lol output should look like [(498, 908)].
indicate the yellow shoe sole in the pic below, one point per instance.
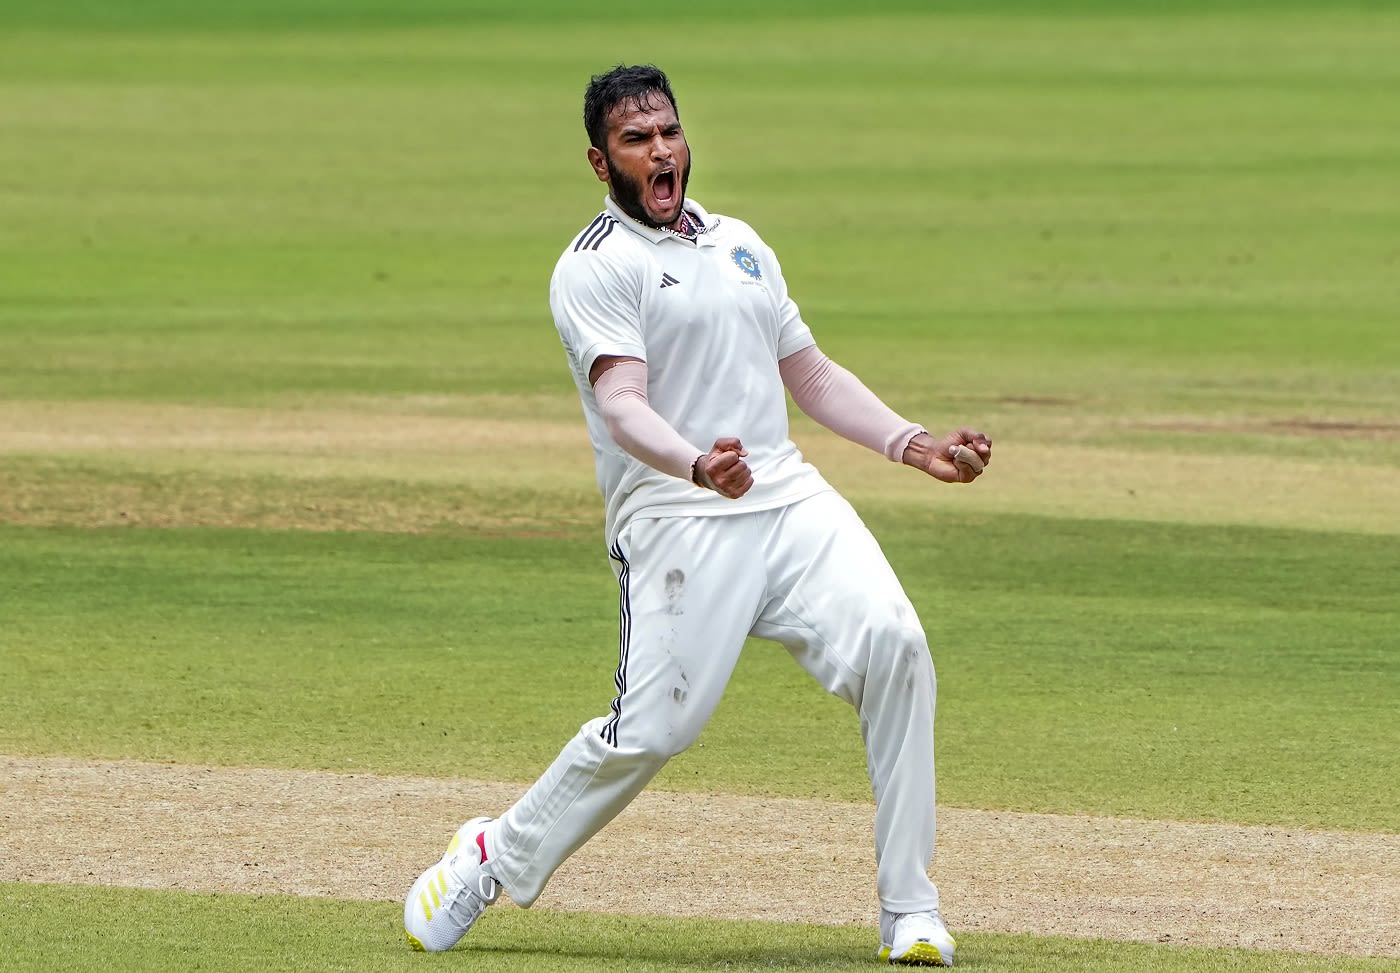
[(920, 954)]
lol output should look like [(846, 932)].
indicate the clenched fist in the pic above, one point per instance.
[(723, 469)]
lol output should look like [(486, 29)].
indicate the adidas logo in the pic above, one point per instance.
[(667, 280)]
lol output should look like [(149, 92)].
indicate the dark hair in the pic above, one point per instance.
[(622, 84)]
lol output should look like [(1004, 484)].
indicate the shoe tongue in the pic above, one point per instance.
[(488, 888)]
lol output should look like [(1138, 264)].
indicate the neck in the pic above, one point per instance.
[(686, 225)]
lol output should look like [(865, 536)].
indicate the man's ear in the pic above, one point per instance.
[(599, 162)]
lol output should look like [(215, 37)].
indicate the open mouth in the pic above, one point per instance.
[(663, 187)]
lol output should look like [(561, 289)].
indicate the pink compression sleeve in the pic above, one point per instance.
[(841, 402), (634, 425)]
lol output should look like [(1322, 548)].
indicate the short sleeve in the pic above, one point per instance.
[(793, 333), (596, 301)]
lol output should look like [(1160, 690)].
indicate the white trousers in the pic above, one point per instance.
[(809, 576)]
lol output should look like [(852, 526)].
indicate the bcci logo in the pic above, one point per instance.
[(746, 262)]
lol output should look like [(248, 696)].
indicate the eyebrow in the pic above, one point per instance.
[(646, 130)]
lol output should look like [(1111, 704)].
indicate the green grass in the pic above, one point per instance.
[(155, 15), (141, 930), (249, 218), (1136, 669)]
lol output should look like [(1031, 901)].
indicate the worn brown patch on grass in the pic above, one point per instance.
[(93, 465), (99, 464), (80, 427), (49, 492), (677, 854), (1309, 428)]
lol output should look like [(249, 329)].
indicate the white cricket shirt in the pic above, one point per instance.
[(711, 319)]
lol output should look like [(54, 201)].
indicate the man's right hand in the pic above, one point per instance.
[(723, 469)]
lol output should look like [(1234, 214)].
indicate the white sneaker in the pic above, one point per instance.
[(449, 897), (915, 939)]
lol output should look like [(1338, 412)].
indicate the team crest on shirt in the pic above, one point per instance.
[(746, 262)]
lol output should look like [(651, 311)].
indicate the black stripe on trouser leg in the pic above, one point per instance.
[(624, 641)]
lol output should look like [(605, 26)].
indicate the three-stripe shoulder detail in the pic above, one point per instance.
[(596, 232)]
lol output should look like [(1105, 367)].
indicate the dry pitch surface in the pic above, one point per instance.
[(366, 837)]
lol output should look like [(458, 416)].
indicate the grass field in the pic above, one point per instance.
[(150, 930), (288, 452)]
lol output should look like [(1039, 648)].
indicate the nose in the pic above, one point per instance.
[(660, 150)]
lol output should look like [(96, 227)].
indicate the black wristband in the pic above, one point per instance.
[(695, 472)]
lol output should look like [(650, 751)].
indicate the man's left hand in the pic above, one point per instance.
[(935, 456)]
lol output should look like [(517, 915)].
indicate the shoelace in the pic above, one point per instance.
[(470, 903)]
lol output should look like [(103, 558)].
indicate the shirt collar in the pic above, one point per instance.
[(658, 236)]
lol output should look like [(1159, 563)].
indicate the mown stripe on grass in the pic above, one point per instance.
[(108, 464)]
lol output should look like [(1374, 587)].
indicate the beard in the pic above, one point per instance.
[(627, 193)]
